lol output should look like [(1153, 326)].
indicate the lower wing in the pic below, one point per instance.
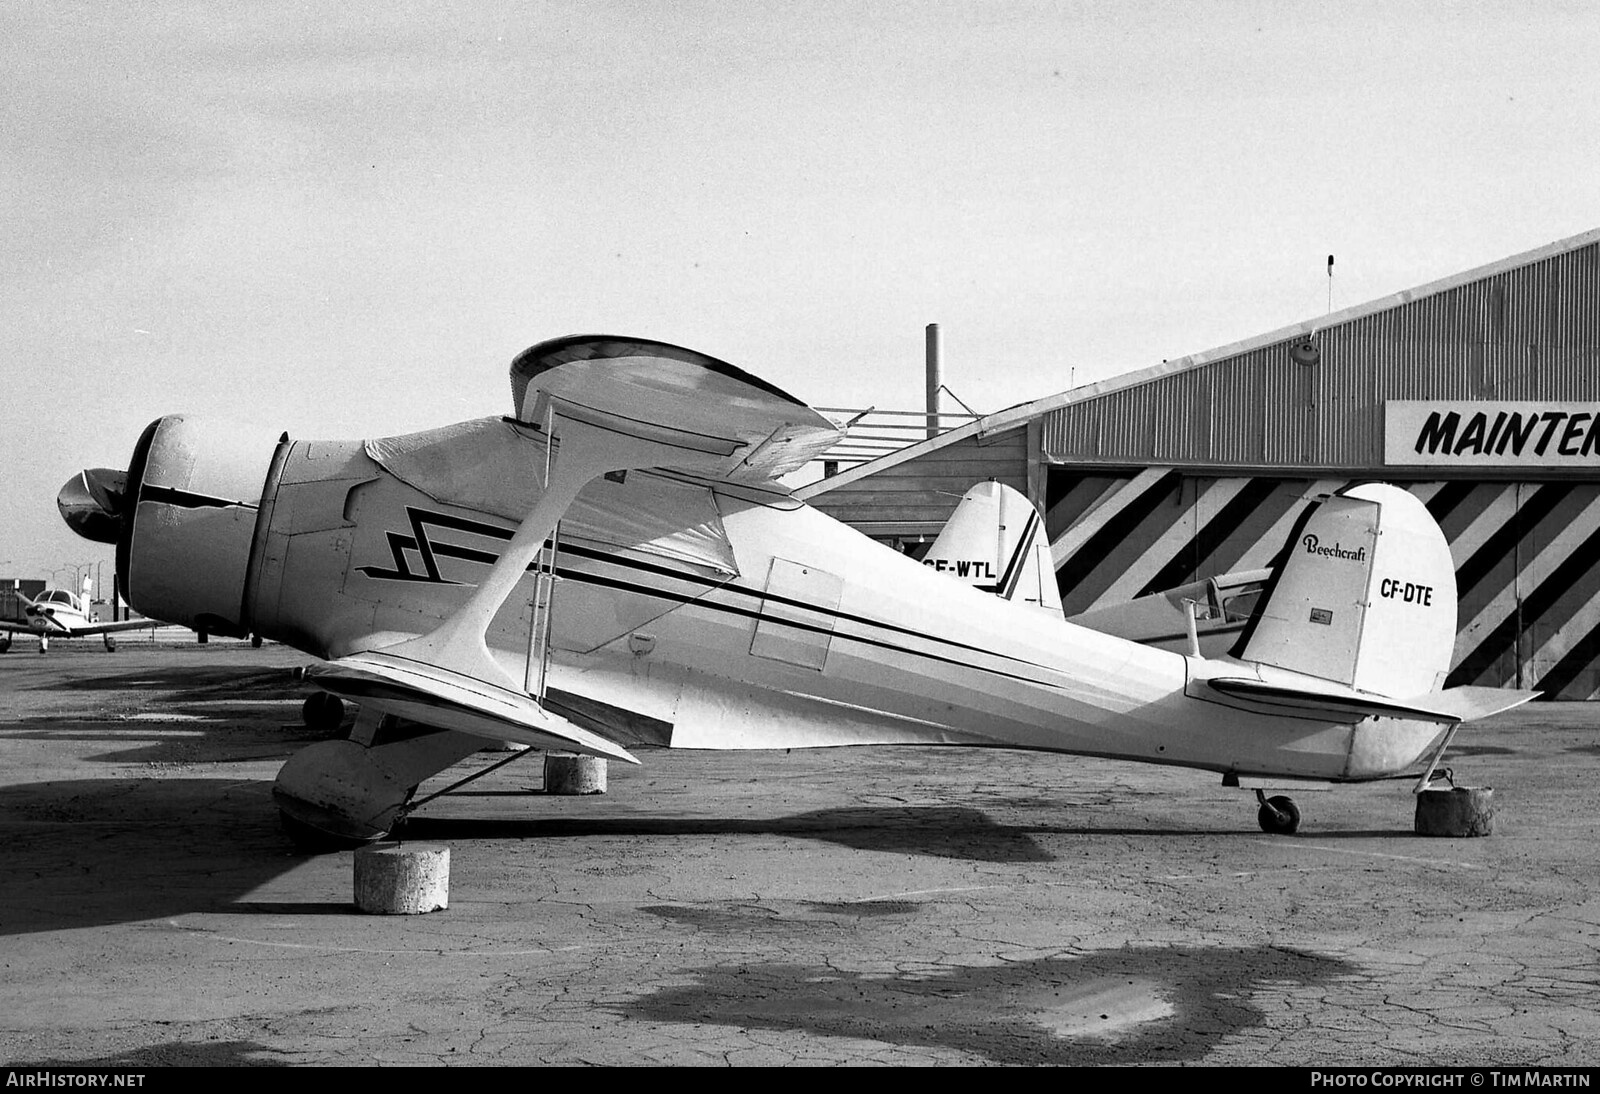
[(432, 695)]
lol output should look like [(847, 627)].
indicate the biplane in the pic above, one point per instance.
[(616, 565)]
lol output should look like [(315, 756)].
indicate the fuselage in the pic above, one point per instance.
[(696, 613)]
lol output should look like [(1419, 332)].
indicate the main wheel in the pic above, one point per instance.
[(311, 840), (322, 711), (111, 644), (1278, 816)]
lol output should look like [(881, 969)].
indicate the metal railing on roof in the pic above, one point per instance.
[(876, 433)]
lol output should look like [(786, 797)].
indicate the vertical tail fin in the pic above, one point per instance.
[(1364, 594), (995, 542)]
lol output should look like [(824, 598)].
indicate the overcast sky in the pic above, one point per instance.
[(344, 220)]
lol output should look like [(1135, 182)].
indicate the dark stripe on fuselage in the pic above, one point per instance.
[(708, 585), (700, 600)]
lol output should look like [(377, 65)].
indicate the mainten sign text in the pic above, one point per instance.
[(1520, 434)]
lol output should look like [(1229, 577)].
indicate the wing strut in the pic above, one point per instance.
[(583, 453), (544, 592), (604, 405)]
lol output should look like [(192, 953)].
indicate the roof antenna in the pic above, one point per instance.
[(1330, 284)]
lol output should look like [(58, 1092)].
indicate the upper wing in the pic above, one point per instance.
[(686, 399)]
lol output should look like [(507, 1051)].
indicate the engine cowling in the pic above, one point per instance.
[(185, 518)]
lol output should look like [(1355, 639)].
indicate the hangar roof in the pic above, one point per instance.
[(1489, 321)]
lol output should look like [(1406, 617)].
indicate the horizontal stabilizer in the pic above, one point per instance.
[(436, 696), (1470, 704), (1347, 705)]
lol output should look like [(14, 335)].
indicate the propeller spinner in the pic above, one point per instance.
[(94, 503)]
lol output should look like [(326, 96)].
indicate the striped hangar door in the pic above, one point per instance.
[(1116, 537), (1526, 564), (1527, 557)]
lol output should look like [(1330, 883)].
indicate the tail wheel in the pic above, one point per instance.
[(1278, 816)]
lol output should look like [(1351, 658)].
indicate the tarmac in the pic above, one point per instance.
[(843, 906)]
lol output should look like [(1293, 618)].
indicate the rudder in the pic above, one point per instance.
[(1365, 595)]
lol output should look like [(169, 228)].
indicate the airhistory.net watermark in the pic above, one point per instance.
[(18, 1078)]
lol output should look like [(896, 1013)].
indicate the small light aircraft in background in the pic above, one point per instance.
[(616, 564), (59, 613), (1222, 608)]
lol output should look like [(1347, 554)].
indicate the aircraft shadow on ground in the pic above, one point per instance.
[(177, 1054), (93, 852), (187, 682), (936, 831), (959, 832), (204, 714), (241, 737), (954, 832), (90, 852), (99, 851)]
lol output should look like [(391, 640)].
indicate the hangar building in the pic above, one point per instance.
[(1480, 393)]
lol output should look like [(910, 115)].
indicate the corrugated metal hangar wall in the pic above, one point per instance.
[(1479, 393)]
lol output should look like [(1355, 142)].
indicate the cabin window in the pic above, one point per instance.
[(1240, 606)]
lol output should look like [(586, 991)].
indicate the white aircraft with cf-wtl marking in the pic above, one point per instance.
[(616, 565)]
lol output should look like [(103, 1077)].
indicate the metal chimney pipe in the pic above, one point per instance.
[(935, 381)]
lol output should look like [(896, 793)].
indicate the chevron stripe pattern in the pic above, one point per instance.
[(1527, 557)]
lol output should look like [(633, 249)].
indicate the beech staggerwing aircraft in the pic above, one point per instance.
[(616, 565)]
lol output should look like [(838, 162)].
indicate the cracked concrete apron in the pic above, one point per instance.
[(843, 906)]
